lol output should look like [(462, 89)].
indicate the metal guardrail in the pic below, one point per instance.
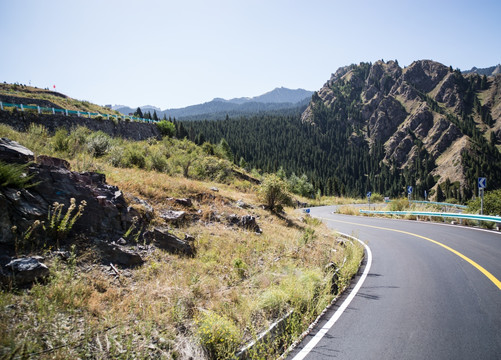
[(65, 112), (434, 203), (439, 203), (496, 219)]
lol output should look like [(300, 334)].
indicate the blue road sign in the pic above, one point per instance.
[(369, 194), (482, 183), (409, 190)]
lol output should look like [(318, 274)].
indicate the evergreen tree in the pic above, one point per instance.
[(138, 113), (440, 195)]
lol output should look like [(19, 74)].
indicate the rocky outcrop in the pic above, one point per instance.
[(247, 222), (106, 215), (386, 118), (424, 104), (425, 75)]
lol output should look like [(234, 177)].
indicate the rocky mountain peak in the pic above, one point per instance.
[(425, 112)]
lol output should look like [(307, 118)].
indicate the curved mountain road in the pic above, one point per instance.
[(432, 292)]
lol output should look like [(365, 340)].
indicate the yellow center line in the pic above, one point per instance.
[(477, 266)]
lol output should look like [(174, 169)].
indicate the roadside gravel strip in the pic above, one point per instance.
[(348, 297)]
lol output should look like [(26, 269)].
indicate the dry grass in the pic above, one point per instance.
[(246, 280)]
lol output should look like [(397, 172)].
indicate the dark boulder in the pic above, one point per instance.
[(119, 254), (162, 239), (13, 152), (24, 271)]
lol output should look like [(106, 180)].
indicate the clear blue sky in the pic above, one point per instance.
[(177, 53)]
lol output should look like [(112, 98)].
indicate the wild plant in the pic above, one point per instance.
[(59, 224)]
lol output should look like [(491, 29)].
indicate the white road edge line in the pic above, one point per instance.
[(320, 334)]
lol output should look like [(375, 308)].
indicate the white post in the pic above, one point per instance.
[(88, 114), (53, 111), (1, 105), (481, 201), (38, 107), (66, 110), (78, 113), (22, 108)]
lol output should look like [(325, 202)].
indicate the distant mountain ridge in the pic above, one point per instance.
[(275, 100), (493, 70)]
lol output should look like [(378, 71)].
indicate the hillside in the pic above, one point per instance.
[(29, 95), (156, 248), (380, 127)]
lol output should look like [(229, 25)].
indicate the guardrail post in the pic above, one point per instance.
[(22, 108), (38, 108), (88, 114), (78, 113), (53, 111), (1, 105)]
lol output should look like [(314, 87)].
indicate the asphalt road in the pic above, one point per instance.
[(421, 299)]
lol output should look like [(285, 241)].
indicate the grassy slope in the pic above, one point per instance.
[(173, 307), (56, 98)]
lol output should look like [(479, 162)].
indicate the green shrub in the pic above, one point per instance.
[(36, 138), (98, 144), (116, 156), (274, 194), (213, 169), (60, 140), (208, 148), (157, 159), (300, 185), (376, 198), (399, 204), (219, 336), (492, 203), (240, 267), (302, 287), (134, 155), (274, 301), (167, 128)]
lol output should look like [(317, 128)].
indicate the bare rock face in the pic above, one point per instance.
[(425, 75), (385, 120)]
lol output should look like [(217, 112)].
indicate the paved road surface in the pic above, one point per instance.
[(421, 299)]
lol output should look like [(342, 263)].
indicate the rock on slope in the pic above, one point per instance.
[(425, 105)]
